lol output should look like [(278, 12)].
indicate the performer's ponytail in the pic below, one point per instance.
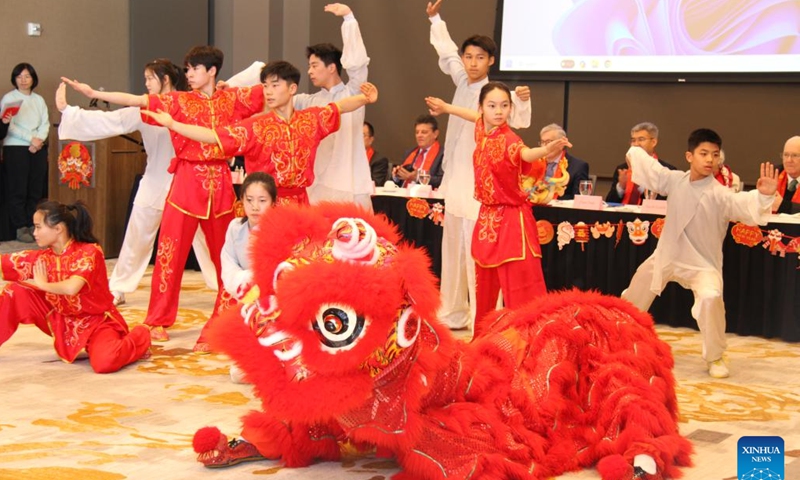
[(163, 67), (75, 217)]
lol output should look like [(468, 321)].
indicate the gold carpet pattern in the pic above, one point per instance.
[(61, 421)]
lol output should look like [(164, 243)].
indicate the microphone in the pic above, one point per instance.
[(93, 102)]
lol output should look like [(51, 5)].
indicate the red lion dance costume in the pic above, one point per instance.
[(343, 345)]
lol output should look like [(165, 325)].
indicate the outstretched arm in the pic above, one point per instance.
[(433, 8), (754, 207), (118, 98), (249, 77), (354, 54), (437, 106), (531, 154), (521, 113), (192, 132), (369, 94), (87, 125), (449, 59)]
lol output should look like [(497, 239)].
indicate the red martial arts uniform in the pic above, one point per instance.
[(505, 242), (285, 150), (201, 192), (87, 319)]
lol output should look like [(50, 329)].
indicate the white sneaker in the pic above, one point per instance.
[(718, 368), (119, 298)]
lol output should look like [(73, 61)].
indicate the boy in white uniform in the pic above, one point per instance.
[(690, 248), (469, 72)]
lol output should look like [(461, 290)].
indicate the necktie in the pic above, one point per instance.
[(550, 170), (416, 164), (792, 185), (418, 159)]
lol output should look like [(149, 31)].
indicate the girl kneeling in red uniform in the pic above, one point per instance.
[(63, 290)]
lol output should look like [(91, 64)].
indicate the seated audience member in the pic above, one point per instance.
[(577, 169), (788, 198), (427, 155), (378, 164), (725, 175), (643, 135)]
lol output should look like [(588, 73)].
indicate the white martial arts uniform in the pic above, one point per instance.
[(690, 248), (341, 172), (148, 206), (458, 183)]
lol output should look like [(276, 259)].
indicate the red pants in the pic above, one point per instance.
[(174, 242), (108, 348), (225, 301), (520, 281)]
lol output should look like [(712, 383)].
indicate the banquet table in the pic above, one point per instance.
[(761, 288)]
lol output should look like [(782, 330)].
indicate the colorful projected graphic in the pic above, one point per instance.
[(652, 35)]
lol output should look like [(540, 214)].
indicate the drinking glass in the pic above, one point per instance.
[(585, 187), (424, 176)]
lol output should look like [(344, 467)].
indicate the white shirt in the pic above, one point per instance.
[(30, 121), (698, 214), (90, 125), (235, 258), (342, 163), (458, 183)]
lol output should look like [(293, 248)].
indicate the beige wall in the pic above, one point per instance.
[(241, 31), (87, 39)]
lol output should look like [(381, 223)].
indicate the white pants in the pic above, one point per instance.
[(319, 193), (137, 249), (458, 273), (708, 309)]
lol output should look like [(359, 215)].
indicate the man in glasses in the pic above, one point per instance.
[(788, 198), (624, 191), (577, 169)]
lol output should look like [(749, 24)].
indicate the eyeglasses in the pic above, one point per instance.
[(24, 77), (544, 143), (793, 156), (640, 139)]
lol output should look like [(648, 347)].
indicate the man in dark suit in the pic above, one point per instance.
[(378, 164), (427, 155), (644, 135), (577, 169), (787, 199)]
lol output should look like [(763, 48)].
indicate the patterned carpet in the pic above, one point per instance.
[(60, 421)]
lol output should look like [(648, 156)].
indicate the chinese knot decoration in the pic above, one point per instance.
[(75, 165), (774, 241)]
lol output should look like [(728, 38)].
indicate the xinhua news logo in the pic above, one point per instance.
[(760, 458)]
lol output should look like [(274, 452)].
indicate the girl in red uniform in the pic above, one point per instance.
[(505, 242), (63, 290)]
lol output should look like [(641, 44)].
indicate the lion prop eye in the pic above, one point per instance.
[(338, 327)]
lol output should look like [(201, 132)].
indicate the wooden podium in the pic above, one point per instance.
[(116, 162)]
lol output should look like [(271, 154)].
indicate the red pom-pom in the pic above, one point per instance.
[(206, 439), (615, 467)]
